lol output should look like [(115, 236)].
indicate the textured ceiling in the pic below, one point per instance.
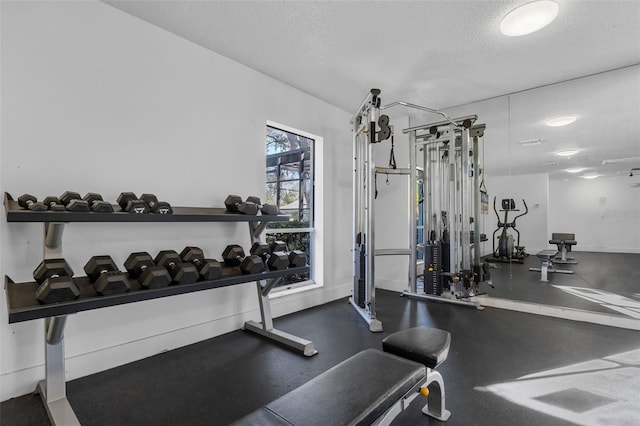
[(434, 53)]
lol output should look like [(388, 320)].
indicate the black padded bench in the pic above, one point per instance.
[(371, 387), (564, 242)]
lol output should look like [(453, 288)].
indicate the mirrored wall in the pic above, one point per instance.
[(568, 154)]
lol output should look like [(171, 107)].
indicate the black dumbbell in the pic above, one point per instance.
[(73, 202), (97, 204), (53, 203), (209, 269), (275, 261), (56, 284), (297, 259), (105, 276), (155, 206), (234, 204), (181, 272), (266, 209), (234, 255), (278, 245), (129, 202), (251, 205), (141, 266), (29, 202), (270, 209)]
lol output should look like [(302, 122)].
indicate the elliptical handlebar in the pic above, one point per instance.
[(526, 210), (495, 209)]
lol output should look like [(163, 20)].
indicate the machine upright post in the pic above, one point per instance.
[(370, 288), (476, 204), (363, 297), (453, 220), (413, 219), (465, 196)]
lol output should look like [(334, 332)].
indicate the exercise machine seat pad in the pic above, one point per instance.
[(426, 345), (355, 392), (565, 242), (563, 238), (547, 254)]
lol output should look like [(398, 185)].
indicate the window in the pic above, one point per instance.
[(290, 184)]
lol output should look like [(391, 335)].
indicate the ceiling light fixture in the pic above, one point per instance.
[(567, 152), (620, 160), (576, 170), (531, 142), (529, 18), (589, 176), (550, 163), (564, 120)]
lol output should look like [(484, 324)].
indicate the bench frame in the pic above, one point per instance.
[(547, 265)]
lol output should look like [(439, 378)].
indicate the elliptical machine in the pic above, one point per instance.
[(506, 251)]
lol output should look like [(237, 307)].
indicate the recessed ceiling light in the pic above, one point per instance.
[(620, 160), (575, 170), (550, 163), (590, 176), (531, 142), (567, 152), (529, 17), (561, 121)]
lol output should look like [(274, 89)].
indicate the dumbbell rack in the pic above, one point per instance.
[(23, 306)]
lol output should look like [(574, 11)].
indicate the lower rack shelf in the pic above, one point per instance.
[(23, 306)]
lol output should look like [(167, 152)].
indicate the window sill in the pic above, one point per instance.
[(294, 288)]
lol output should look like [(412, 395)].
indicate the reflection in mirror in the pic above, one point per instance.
[(569, 151)]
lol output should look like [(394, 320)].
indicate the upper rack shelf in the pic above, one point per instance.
[(15, 213)]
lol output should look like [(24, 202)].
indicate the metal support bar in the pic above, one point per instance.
[(55, 329), (436, 406), (387, 171), (469, 303), (452, 208), (457, 122), (422, 108), (476, 203), (52, 389), (370, 288), (393, 252), (296, 343), (466, 196), (52, 247), (375, 325), (256, 229), (268, 286), (413, 215), (265, 327)]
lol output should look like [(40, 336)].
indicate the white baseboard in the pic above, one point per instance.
[(391, 285), (631, 250), (560, 312), (24, 381)]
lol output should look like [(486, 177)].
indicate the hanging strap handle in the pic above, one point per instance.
[(392, 156)]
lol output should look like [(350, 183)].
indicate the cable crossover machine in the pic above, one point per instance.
[(444, 187)]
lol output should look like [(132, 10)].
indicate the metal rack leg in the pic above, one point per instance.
[(52, 390), (265, 328)]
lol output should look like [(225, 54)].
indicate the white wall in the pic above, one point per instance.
[(94, 99), (604, 213), (533, 226)]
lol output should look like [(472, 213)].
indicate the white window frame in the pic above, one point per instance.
[(316, 273)]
